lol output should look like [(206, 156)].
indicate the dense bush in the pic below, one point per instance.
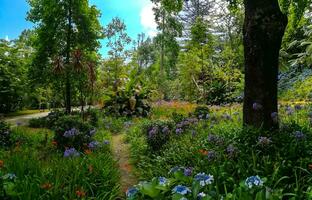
[(72, 132), (5, 134), (48, 121), (128, 104)]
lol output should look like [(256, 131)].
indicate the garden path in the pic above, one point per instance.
[(24, 119), (121, 153)]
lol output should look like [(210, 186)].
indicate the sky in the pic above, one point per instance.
[(137, 15)]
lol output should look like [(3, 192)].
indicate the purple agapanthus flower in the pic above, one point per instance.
[(72, 152), (92, 132), (179, 131), (211, 155), (289, 110), (71, 133), (274, 117), (188, 171), (299, 135), (106, 142), (165, 130), (152, 132), (264, 141), (231, 150), (93, 144)]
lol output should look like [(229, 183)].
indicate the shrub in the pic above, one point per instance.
[(5, 134), (128, 104), (201, 112), (48, 121), (72, 132), (157, 133)]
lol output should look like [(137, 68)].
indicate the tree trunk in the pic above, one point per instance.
[(263, 32), (68, 48)]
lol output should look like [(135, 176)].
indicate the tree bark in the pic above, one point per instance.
[(68, 49), (264, 28)]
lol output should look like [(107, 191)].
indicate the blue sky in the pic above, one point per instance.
[(137, 15)]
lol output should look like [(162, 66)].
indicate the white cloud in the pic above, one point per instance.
[(7, 38), (148, 20)]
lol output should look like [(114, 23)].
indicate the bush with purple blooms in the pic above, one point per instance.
[(72, 132)]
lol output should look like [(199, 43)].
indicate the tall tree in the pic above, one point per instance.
[(118, 40), (264, 28), (63, 26)]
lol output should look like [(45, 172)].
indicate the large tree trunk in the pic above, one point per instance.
[(68, 49), (263, 32)]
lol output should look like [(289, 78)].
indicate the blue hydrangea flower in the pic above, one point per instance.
[(131, 192), (93, 144), (72, 152), (71, 133), (204, 179), (253, 181), (163, 181), (201, 195), (9, 176), (180, 189)]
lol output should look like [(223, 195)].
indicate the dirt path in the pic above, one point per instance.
[(24, 119), (121, 153)]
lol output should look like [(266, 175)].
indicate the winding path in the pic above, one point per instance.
[(24, 119), (121, 153)]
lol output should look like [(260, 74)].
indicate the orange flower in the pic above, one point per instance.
[(87, 151), (46, 186), (90, 168), (54, 143), (80, 193), (203, 152), (1, 163)]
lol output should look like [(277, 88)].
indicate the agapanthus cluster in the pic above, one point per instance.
[(71, 152), (92, 132), (131, 192), (215, 139), (188, 171), (93, 145), (298, 107), (274, 117), (180, 189), (226, 116), (212, 155), (71, 133), (264, 141), (152, 132), (204, 179), (299, 135), (253, 181), (231, 151), (289, 110), (106, 142)]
